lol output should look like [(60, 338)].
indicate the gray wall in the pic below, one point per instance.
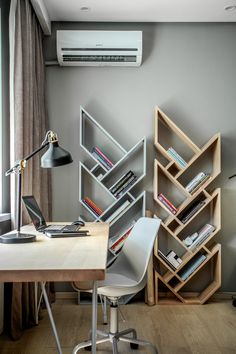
[(188, 70)]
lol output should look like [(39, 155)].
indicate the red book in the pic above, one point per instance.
[(121, 239), (168, 202), (93, 205)]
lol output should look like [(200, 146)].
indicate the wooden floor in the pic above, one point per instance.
[(175, 329)]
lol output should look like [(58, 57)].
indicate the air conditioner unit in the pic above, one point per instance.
[(99, 48)]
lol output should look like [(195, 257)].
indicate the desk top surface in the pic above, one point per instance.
[(58, 259)]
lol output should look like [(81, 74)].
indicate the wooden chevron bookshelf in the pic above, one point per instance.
[(187, 261)]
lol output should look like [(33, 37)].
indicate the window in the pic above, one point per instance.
[(1, 131), (4, 110)]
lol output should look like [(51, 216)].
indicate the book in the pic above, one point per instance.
[(166, 260), (203, 233), (192, 265), (167, 205), (191, 211), (200, 184), (171, 152), (89, 206), (93, 205), (122, 232), (118, 211), (119, 193), (100, 159), (115, 247), (120, 181), (125, 184), (195, 181), (99, 151), (167, 200)]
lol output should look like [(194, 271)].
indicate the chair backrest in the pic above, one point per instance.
[(135, 254)]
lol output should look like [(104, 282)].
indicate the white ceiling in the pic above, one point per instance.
[(141, 10)]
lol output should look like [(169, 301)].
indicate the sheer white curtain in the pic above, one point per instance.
[(28, 125)]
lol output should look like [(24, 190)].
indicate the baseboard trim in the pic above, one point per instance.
[(68, 295)]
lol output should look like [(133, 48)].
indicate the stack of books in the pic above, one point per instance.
[(167, 203), (171, 259), (197, 238), (92, 206), (178, 159), (102, 158), (118, 211), (123, 184), (188, 214), (192, 265), (197, 181), (115, 244)]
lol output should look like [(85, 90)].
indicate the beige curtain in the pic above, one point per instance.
[(29, 124)]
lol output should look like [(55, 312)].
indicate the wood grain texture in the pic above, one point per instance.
[(174, 329), (60, 259)]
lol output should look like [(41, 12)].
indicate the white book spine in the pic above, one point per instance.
[(195, 181), (118, 211), (202, 236), (181, 160)]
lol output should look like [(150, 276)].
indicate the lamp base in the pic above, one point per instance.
[(17, 237)]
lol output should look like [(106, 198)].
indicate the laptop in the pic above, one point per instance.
[(50, 230)]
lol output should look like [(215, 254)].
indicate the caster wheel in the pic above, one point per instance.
[(133, 346), (234, 302), (88, 349)]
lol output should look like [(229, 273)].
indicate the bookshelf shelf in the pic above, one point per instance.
[(105, 179), (190, 213)]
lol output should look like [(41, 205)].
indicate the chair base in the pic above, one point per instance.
[(114, 338)]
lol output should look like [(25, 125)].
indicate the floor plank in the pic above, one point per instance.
[(174, 329)]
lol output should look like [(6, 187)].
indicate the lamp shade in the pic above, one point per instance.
[(55, 156)]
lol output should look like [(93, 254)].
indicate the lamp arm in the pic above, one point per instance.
[(50, 137), (232, 176)]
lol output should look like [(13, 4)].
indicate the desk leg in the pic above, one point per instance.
[(51, 318), (94, 317)]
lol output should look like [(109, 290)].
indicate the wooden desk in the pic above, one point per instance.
[(59, 259)]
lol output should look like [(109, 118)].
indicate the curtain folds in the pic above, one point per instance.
[(29, 124)]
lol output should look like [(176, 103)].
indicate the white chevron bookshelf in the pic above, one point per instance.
[(96, 180)]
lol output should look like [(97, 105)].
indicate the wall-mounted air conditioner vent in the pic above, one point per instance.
[(99, 48)]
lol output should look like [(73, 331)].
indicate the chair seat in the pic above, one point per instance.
[(116, 285)]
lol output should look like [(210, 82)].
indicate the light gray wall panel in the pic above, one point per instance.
[(188, 70)]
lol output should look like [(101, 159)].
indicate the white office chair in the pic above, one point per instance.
[(127, 275)]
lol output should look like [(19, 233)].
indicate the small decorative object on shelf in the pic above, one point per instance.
[(190, 214), (106, 186)]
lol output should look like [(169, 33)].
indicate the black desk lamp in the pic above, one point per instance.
[(53, 157)]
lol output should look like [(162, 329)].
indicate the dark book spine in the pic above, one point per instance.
[(121, 182), (125, 184), (118, 195)]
